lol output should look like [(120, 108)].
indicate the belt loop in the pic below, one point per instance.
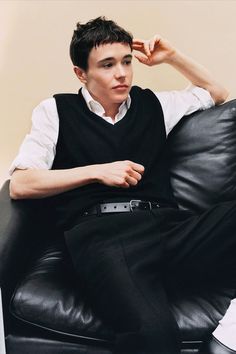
[(98, 207)]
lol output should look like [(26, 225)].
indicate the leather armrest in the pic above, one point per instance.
[(203, 158), (16, 221)]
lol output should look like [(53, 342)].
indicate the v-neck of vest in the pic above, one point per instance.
[(103, 121)]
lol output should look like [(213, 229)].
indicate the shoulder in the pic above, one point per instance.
[(47, 103), (140, 92), (65, 97), (46, 106), (145, 97), (67, 100), (45, 113)]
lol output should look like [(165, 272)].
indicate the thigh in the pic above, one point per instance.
[(118, 257), (203, 245)]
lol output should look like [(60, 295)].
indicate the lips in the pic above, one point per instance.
[(121, 87)]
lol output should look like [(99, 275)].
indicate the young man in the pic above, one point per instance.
[(101, 152)]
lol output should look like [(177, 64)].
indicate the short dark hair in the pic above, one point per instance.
[(92, 34)]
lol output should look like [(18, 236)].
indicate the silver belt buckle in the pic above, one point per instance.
[(134, 203)]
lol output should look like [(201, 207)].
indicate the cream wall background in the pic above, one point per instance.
[(35, 35)]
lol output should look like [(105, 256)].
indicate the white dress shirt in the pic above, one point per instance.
[(39, 146)]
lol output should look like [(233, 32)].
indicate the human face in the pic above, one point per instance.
[(109, 75)]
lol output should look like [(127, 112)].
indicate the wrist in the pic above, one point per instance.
[(173, 57), (93, 174)]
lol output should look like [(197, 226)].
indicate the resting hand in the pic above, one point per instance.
[(154, 51), (119, 174)]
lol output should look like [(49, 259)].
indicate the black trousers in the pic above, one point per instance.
[(126, 258)]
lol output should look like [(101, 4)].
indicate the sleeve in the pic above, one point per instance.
[(37, 150), (176, 104)]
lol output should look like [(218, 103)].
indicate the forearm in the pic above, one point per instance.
[(31, 184), (198, 75), (158, 50)]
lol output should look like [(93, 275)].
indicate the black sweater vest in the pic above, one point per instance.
[(86, 139)]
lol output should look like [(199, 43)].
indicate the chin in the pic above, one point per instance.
[(120, 98)]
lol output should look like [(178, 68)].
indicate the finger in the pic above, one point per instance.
[(131, 181), (137, 44), (137, 167), (142, 58), (152, 44), (138, 47), (121, 183), (136, 175), (155, 40), (146, 48), (125, 185), (138, 41)]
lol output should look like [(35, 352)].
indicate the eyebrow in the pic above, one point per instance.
[(112, 58)]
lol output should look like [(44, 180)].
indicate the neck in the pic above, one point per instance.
[(111, 111)]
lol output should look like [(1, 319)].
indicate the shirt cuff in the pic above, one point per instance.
[(24, 163), (16, 164), (203, 95)]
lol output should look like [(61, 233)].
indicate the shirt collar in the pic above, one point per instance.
[(98, 109)]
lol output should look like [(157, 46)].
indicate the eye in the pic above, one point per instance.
[(107, 65), (127, 62)]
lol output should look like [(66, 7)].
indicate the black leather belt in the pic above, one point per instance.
[(124, 207)]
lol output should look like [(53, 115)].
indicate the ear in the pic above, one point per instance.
[(81, 74)]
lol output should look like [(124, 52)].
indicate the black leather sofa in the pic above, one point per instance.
[(46, 310)]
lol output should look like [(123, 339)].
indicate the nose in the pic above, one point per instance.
[(120, 72)]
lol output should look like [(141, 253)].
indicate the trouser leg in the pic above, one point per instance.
[(202, 247), (121, 267)]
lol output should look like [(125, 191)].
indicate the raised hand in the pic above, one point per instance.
[(154, 51)]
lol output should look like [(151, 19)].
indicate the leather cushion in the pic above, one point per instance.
[(203, 157), (51, 296), (16, 344)]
